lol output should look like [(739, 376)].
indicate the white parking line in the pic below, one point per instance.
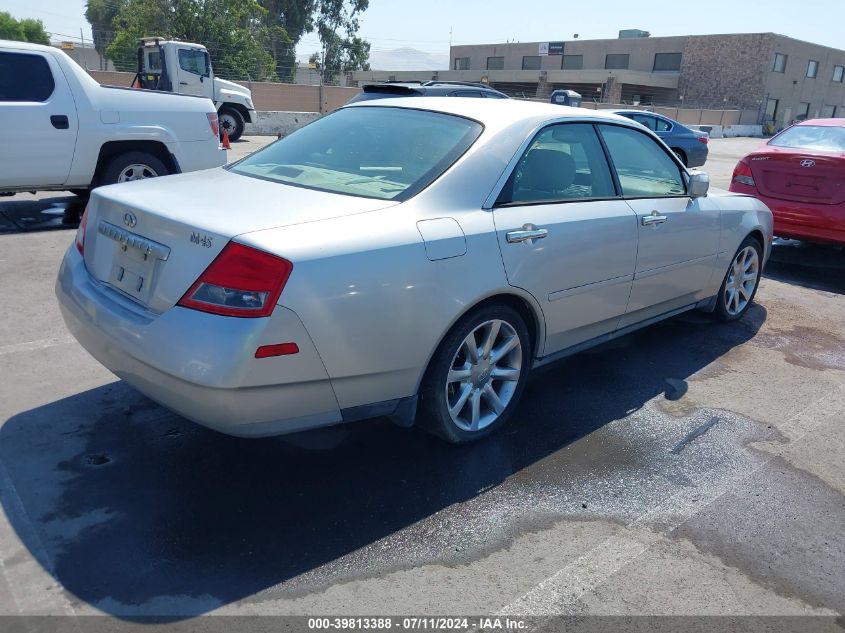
[(557, 594), (33, 345)]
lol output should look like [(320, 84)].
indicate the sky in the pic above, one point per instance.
[(428, 25)]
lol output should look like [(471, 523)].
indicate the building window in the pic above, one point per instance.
[(667, 61), (495, 63), (572, 62), (616, 61), (838, 73), (531, 62), (780, 63), (461, 63), (840, 112), (812, 69), (802, 111), (771, 109), (827, 111)]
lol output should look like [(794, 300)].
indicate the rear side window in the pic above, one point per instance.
[(644, 169), (25, 77), (564, 162)]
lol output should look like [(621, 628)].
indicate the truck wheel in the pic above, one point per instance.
[(132, 166), (232, 122)]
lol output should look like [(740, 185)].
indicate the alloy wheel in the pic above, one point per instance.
[(136, 171), (483, 375), (742, 280)]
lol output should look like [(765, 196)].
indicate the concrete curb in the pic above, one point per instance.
[(269, 123)]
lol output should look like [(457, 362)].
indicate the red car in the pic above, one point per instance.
[(800, 175)]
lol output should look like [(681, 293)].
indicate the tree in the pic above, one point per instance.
[(26, 30), (341, 54), (234, 31), (295, 17), (100, 15)]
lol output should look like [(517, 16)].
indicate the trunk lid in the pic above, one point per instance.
[(799, 175), (150, 240)]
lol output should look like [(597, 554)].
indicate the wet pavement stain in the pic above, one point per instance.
[(805, 346)]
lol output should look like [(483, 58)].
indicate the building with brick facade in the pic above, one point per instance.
[(770, 77)]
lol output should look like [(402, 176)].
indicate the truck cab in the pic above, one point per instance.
[(185, 68)]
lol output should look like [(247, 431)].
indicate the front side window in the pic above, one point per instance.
[(495, 63), (25, 77), (812, 69), (779, 65), (193, 62), (564, 162), (643, 167), (461, 63), (826, 138), (466, 93), (531, 62), (369, 151), (616, 61)]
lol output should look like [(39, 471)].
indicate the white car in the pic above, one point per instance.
[(64, 131), (413, 258)]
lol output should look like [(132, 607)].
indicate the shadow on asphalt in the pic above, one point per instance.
[(129, 506), (816, 266), (22, 213)]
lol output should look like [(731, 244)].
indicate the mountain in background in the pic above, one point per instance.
[(408, 59)]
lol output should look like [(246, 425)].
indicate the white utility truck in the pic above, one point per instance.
[(185, 68), (65, 131)]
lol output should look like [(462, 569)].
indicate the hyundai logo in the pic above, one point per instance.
[(807, 163), (129, 219)]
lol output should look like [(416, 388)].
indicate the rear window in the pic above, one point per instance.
[(373, 152), (25, 77), (820, 137)]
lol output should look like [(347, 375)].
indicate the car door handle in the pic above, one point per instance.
[(654, 218), (525, 235), (60, 121), (183, 83)]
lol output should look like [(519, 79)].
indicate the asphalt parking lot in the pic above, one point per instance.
[(692, 468)]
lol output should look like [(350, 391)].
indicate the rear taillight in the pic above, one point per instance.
[(241, 281), (214, 123), (80, 232), (742, 174), (703, 139)]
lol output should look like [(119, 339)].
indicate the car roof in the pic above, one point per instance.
[(824, 122), (642, 112), (27, 46), (495, 112)]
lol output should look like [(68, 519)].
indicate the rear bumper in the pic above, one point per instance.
[(202, 366), (697, 154), (802, 221)]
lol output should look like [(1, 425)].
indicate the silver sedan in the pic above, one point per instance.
[(410, 258)]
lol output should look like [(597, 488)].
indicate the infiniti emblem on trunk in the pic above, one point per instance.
[(807, 163), (129, 219)]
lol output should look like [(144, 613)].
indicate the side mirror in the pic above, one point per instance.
[(699, 183)]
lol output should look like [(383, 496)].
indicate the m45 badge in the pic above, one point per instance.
[(202, 239)]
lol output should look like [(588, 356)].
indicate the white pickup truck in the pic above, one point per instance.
[(65, 131)]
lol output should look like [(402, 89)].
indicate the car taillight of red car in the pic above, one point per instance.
[(742, 174)]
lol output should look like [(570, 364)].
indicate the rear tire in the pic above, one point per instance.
[(232, 121), (132, 166), (741, 281), (476, 377), (82, 193), (681, 155)]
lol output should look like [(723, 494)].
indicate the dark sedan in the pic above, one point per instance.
[(689, 145)]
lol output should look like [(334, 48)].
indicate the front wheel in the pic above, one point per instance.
[(476, 376), (741, 281), (231, 121)]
